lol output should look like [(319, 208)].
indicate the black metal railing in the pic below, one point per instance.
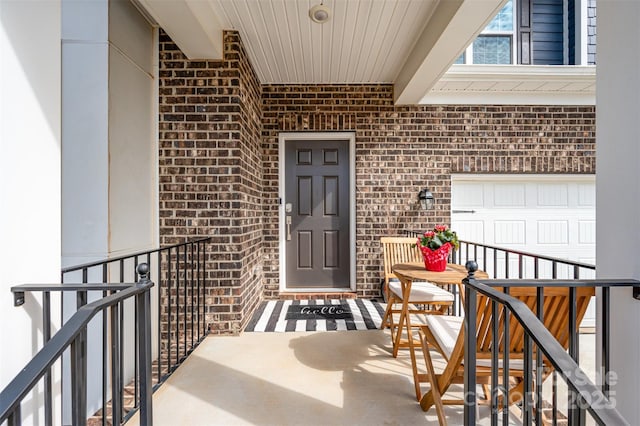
[(501, 262), (505, 263), (178, 314), (72, 336), (583, 395)]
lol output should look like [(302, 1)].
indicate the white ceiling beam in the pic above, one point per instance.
[(451, 28), (192, 24), (515, 85)]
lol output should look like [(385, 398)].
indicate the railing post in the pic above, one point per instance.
[(143, 304), (538, 370), (78, 381), (606, 340), (79, 366), (495, 342), (576, 414), (46, 336), (15, 418), (527, 411), (470, 346), (116, 366)]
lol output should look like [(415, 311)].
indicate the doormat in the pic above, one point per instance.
[(318, 312), (271, 316)]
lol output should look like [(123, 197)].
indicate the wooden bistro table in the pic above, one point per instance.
[(410, 272)]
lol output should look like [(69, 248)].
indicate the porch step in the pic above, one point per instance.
[(317, 296)]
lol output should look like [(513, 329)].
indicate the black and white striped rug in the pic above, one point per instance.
[(270, 316)]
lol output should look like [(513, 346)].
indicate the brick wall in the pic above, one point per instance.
[(210, 171), (219, 163), (400, 150)]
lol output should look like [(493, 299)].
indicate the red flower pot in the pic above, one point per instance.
[(436, 260)]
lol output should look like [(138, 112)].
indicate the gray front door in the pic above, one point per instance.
[(317, 214)]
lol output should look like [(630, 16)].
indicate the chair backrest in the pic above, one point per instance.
[(555, 316), (555, 319), (398, 250)]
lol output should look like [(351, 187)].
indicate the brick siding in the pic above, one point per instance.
[(219, 177), (400, 150), (210, 170)]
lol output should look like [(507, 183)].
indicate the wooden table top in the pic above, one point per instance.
[(454, 274)]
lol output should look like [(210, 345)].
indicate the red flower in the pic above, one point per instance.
[(436, 238)]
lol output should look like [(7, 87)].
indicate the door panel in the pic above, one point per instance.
[(317, 187)]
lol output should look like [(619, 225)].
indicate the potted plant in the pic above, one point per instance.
[(435, 246)]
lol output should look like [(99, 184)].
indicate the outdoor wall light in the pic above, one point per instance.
[(425, 199), (320, 13)]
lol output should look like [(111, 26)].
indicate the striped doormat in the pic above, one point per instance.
[(270, 316)]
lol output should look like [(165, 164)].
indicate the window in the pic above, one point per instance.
[(492, 49), (530, 32), (495, 44)]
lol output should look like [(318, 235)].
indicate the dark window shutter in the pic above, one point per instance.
[(572, 31), (524, 32)]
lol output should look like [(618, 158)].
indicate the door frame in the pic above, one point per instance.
[(283, 137)]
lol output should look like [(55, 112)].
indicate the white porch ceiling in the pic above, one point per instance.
[(410, 43), (365, 41)]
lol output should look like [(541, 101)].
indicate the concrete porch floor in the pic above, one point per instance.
[(302, 378)]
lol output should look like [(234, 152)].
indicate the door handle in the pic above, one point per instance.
[(288, 222)]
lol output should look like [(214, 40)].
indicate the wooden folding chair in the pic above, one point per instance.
[(446, 335), (425, 297)]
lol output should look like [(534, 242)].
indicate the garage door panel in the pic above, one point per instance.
[(510, 195), (468, 195), (587, 195), (587, 232), (553, 232), (553, 195), (470, 230), (509, 232)]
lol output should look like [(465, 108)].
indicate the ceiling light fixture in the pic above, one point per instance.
[(320, 13)]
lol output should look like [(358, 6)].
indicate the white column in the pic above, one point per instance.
[(109, 150), (109, 131), (30, 230), (85, 103), (85, 166), (618, 187), (133, 151)]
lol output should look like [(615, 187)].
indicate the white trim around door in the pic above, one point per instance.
[(319, 136)]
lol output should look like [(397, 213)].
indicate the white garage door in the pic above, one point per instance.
[(551, 215)]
